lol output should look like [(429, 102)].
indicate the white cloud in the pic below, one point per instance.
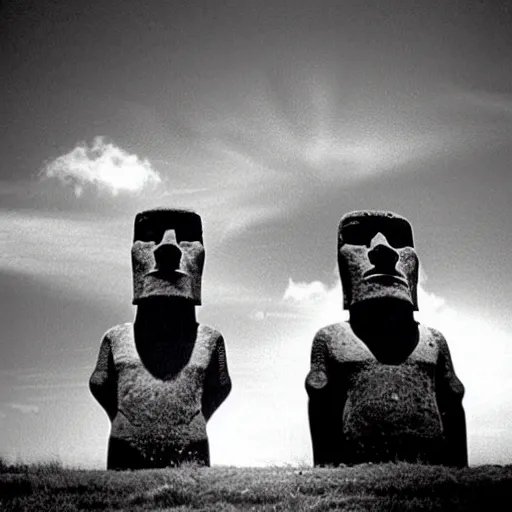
[(257, 315), (24, 408), (316, 300), (299, 292), (104, 165)]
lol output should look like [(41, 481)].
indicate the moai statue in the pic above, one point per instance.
[(382, 387), (161, 378)]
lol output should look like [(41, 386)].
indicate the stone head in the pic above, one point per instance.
[(167, 255), (376, 258)]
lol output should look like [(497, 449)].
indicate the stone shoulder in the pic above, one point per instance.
[(126, 329), (118, 331), (334, 331), (206, 330), (433, 334), (208, 336)]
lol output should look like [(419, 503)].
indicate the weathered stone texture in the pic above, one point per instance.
[(167, 255), (376, 257), (161, 378), (163, 419), (381, 386)]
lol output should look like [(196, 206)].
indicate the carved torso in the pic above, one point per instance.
[(401, 396), (379, 407), (161, 378), (160, 413), (381, 386)]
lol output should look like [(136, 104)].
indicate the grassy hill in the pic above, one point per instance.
[(386, 487)]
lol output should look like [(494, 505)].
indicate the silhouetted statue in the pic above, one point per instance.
[(161, 378), (382, 387)]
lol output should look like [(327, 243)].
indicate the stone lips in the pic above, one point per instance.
[(359, 277)]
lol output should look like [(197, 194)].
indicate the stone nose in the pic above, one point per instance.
[(381, 254), (167, 253)]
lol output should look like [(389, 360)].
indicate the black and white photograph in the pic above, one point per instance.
[(255, 255)]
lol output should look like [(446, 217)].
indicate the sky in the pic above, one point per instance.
[(271, 119)]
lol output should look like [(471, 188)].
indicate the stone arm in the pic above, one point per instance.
[(217, 383), (449, 393), (324, 428), (103, 381)]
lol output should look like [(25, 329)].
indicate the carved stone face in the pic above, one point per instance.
[(376, 258), (167, 255)]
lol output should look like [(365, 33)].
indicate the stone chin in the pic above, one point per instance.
[(152, 286), (381, 287)]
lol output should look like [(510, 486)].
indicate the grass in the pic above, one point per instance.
[(381, 487)]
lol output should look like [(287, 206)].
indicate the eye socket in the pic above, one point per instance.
[(148, 232), (399, 239), (149, 235), (150, 226), (155, 232), (358, 234), (185, 235), (397, 234)]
